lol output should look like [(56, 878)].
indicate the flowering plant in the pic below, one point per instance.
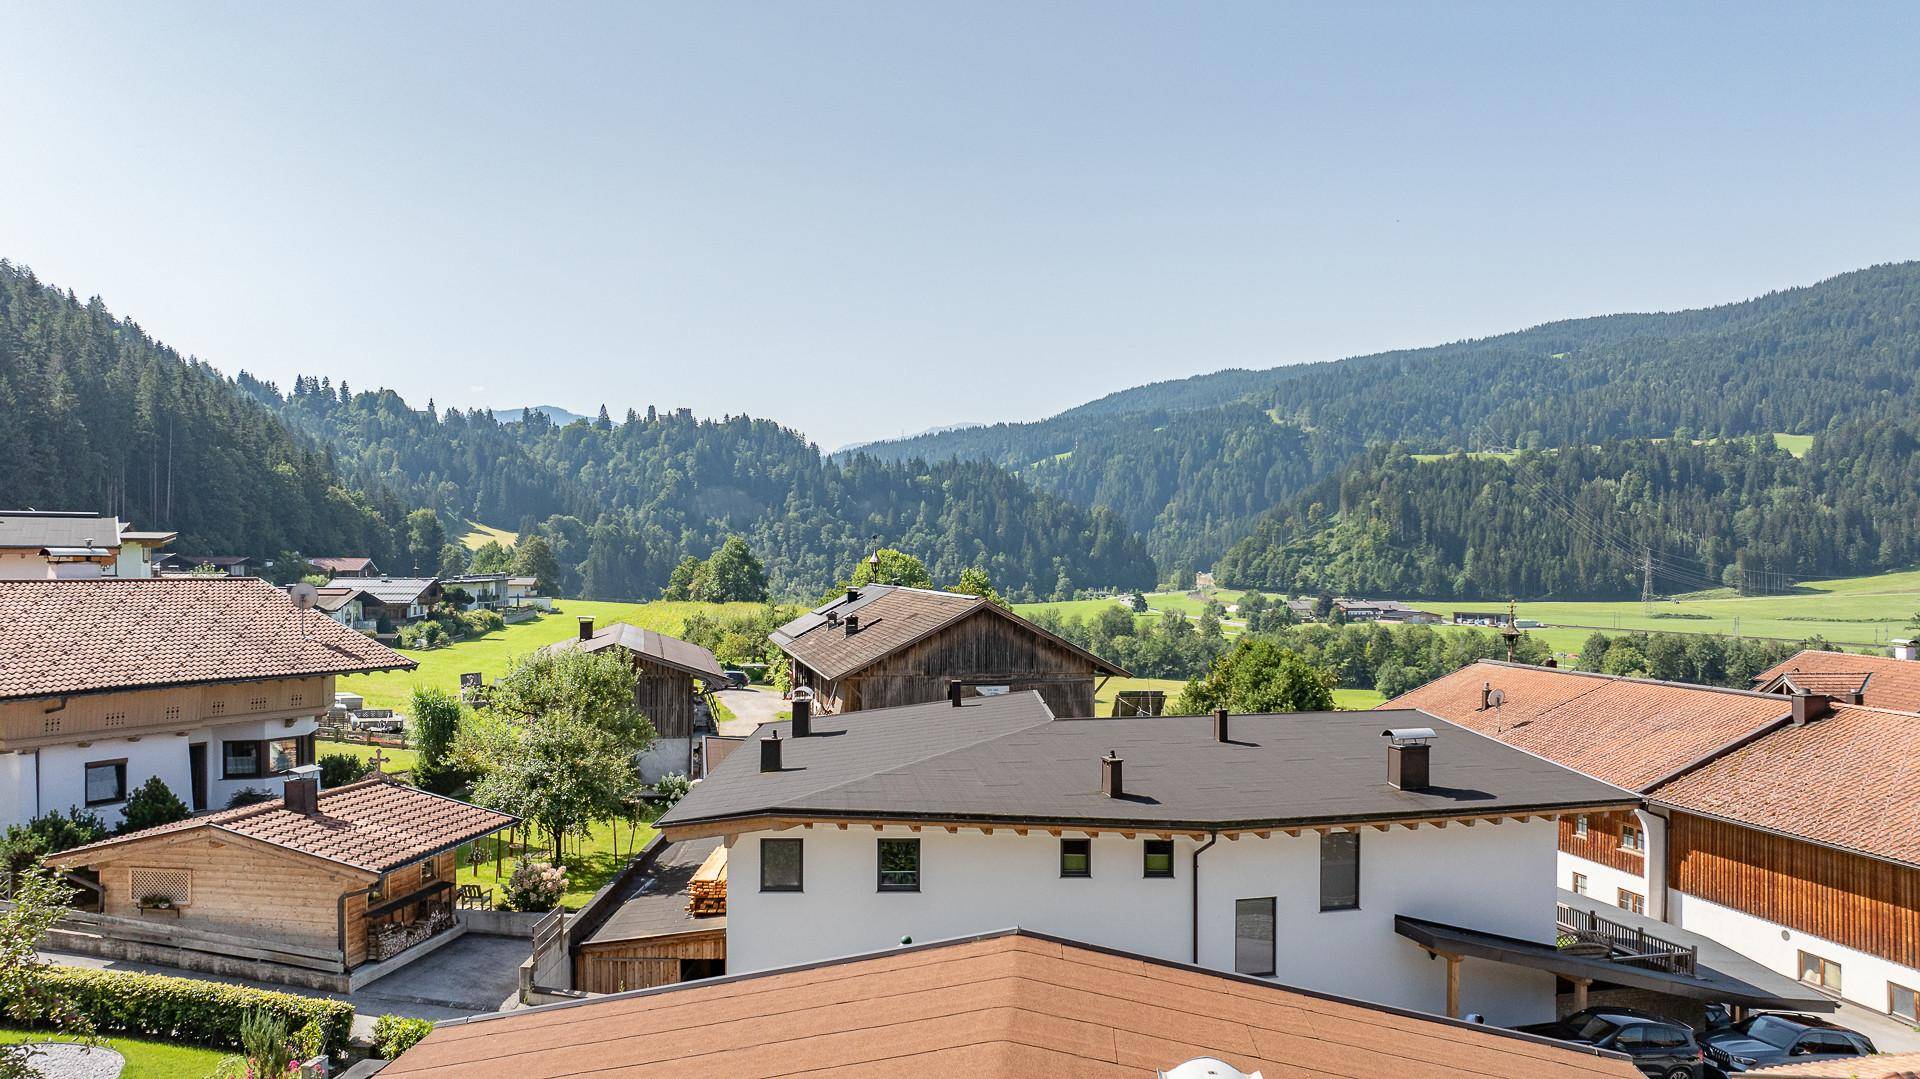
[(535, 886)]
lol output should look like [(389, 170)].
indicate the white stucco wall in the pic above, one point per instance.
[(1496, 878), (1863, 977), (1603, 881)]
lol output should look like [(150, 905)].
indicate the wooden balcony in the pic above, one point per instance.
[(1586, 933)]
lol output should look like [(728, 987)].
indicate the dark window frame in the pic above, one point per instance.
[(226, 762), (1147, 851), (1339, 837), (1913, 998), (880, 864), (800, 866), (1085, 850), (1240, 906), (119, 766)]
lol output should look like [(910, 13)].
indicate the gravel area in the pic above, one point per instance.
[(59, 1060)]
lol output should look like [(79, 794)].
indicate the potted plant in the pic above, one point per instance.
[(159, 902)]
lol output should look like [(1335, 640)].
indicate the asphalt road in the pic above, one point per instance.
[(751, 706)]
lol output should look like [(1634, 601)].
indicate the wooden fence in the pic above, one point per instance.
[(1623, 943)]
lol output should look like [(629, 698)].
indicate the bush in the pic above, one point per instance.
[(479, 622), (395, 1034), (179, 1009), (152, 804), (435, 722), (535, 886), (672, 787), (24, 845), (340, 769), (249, 796)]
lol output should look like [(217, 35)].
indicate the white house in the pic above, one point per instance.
[(45, 545), (214, 684), (1292, 847)]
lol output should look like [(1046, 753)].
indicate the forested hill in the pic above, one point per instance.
[(1790, 361), (622, 501), (1577, 522), (96, 415)]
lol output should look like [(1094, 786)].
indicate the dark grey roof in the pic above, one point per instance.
[(1007, 758), (655, 903), (20, 528), (394, 589), (654, 646)]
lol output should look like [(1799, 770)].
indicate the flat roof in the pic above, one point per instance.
[(655, 903)]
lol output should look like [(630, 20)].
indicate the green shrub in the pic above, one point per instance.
[(340, 769), (152, 804), (250, 796), (483, 621), (535, 886), (671, 788), (24, 845), (180, 1009), (395, 1034)]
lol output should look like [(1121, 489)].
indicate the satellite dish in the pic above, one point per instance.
[(1497, 698), (303, 595), (1206, 1068)]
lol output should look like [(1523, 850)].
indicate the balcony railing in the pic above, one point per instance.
[(1585, 931)]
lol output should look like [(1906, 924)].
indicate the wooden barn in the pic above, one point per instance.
[(318, 889), (665, 691), (670, 927), (883, 645)]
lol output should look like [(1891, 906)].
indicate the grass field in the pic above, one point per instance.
[(590, 865), (491, 654), (477, 535), (397, 760), (146, 1059)]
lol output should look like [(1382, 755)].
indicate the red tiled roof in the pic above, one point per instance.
[(1879, 1066), (1008, 1005), (374, 825), (82, 636), (1887, 683), (340, 563), (1633, 732), (1850, 779)]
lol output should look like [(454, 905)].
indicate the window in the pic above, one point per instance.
[(1076, 857), (1665, 1037), (1580, 826), (780, 865), (106, 782), (1630, 1039), (1632, 838), (240, 760), (1903, 1003), (899, 865), (1580, 884), (1158, 858), (154, 887), (429, 870), (1632, 901), (1822, 973), (1340, 871), (1253, 936), (283, 755)]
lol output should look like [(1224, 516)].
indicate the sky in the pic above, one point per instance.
[(864, 220)]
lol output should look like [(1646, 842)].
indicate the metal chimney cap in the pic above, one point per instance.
[(1410, 736)]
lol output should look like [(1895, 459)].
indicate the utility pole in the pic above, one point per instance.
[(1646, 580)]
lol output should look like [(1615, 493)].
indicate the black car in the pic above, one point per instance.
[(1772, 1038), (735, 678), (1663, 1048)]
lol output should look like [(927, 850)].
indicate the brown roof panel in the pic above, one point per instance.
[(657, 647), (1849, 780), (1886, 682), (373, 825), (1009, 1004), (1633, 732), (90, 635)]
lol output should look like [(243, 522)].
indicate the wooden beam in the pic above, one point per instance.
[(1453, 986), (1580, 993)]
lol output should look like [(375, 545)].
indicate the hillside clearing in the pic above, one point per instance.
[(477, 535)]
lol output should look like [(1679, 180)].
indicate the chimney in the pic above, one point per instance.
[(586, 627), (1905, 649), (852, 594), (1220, 726), (955, 691), (1808, 707), (1486, 696), (301, 792), (1407, 750), (852, 624), (770, 753), (1110, 783), (802, 714), (1550, 662)]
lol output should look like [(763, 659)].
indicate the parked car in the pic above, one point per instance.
[(1775, 1038), (735, 678), (1661, 1047)]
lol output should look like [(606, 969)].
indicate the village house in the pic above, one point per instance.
[(43, 545), (880, 646), (1782, 827), (216, 565), (328, 889), (1307, 848), (213, 684), (1006, 1004), (672, 677), (401, 600), (349, 605), (1848, 677), (337, 566), (499, 591)]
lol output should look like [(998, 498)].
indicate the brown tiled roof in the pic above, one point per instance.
[(1011, 1004), (1888, 683), (1882, 1066), (62, 637), (655, 647), (891, 618), (340, 563), (1850, 780), (374, 825), (1633, 732)]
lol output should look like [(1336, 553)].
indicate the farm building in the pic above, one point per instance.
[(673, 676)]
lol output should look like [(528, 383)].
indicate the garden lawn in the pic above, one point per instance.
[(491, 654), (590, 865), (145, 1059), (398, 760)]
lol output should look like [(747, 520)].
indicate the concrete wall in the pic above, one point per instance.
[(1863, 979), (663, 756), (1496, 878)]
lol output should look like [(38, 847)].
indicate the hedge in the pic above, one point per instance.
[(183, 1009)]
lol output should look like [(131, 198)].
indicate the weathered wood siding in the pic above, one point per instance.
[(981, 648), (1863, 903), (618, 966), (30, 723), (1602, 842), (666, 696)]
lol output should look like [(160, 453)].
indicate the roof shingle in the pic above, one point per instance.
[(683, 656), (84, 636), (1885, 682)]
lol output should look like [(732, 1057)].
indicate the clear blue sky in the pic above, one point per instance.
[(863, 220)]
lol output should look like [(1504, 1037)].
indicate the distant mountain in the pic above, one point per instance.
[(853, 446), (555, 413)]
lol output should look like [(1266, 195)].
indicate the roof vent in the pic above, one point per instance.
[(802, 712), (852, 624), (301, 791), (955, 692), (770, 753), (1221, 732), (1808, 707), (1407, 756), (853, 594), (586, 627), (1110, 781)]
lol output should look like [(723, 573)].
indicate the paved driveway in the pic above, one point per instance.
[(751, 706)]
